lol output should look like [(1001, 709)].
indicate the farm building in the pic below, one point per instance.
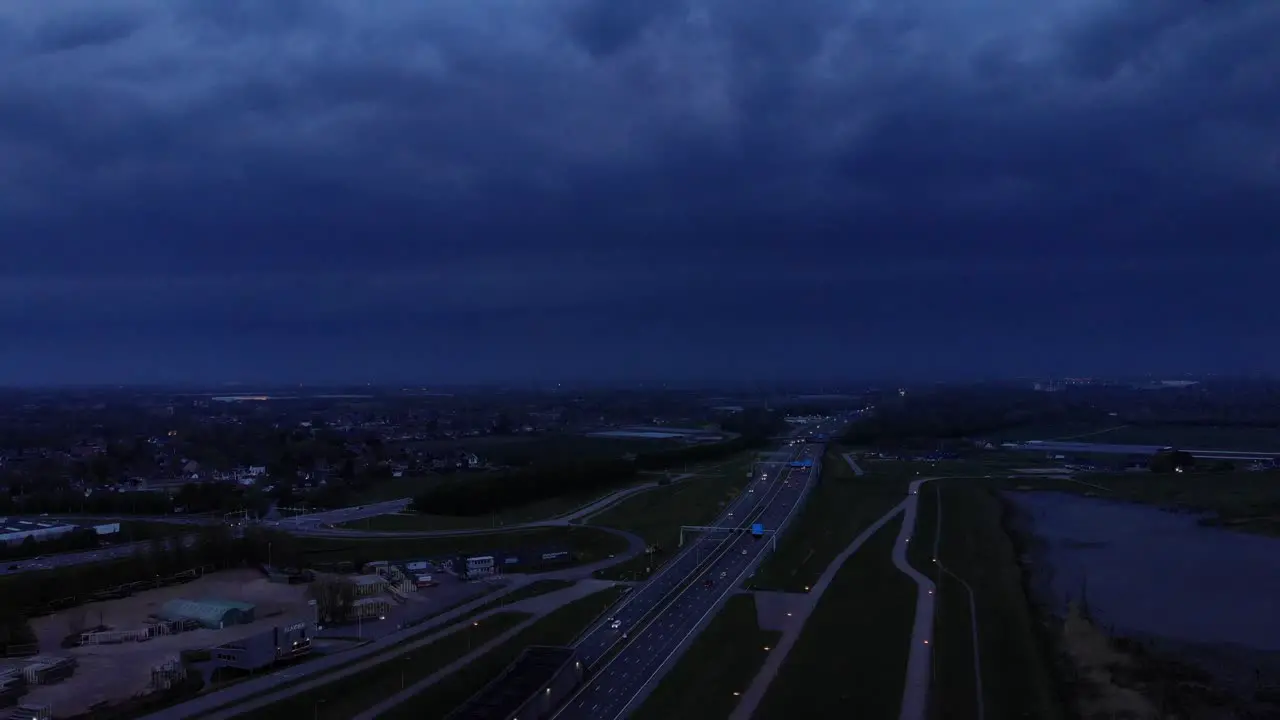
[(213, 614)]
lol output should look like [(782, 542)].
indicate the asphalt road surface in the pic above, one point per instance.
[(600, 639), (319, 524), (612, 688), (61, 560), (915, 694), (301, 525)]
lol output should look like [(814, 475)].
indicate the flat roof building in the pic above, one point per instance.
[(15, 532), (212, 614), (278, 644)]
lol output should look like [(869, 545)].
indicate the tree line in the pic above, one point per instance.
[(500, 491), (205, 497)]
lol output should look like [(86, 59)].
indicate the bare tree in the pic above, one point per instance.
[(77, 620), (335, 597)]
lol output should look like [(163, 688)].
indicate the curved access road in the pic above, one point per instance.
[(321, 525), (314, 526), (635, 544), (760, 685), (915, 693), (915, 698)]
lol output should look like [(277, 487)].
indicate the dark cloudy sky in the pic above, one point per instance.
[(477, 190)]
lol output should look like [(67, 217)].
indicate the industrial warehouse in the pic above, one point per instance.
[(210, 614), (15, 532), (255, 652)]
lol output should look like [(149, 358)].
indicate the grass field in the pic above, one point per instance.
[(559, 627), (720, 663), (973, 549), (587, 545), (533, 589), (656, 515), (397, 488), (557, 448), (1066, 431), (543, 510), (838, 508), (1194, 437), (1240, 500), (346, 697), (851, 657)]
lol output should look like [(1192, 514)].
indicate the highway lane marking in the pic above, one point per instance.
[(762, 506), (738, 579), (760, 510)]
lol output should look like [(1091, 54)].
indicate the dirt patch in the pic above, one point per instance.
[(1097, 663), (116, 672)]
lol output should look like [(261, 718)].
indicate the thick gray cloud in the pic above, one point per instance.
[(490, 154)]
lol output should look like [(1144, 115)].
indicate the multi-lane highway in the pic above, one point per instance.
[(681, 603), (600, 639)]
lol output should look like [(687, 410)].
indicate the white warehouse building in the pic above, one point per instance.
[(14, 532)]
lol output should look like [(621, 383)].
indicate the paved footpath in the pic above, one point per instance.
[(915, 692), (853, 465), (760, 685), (539, 606)]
